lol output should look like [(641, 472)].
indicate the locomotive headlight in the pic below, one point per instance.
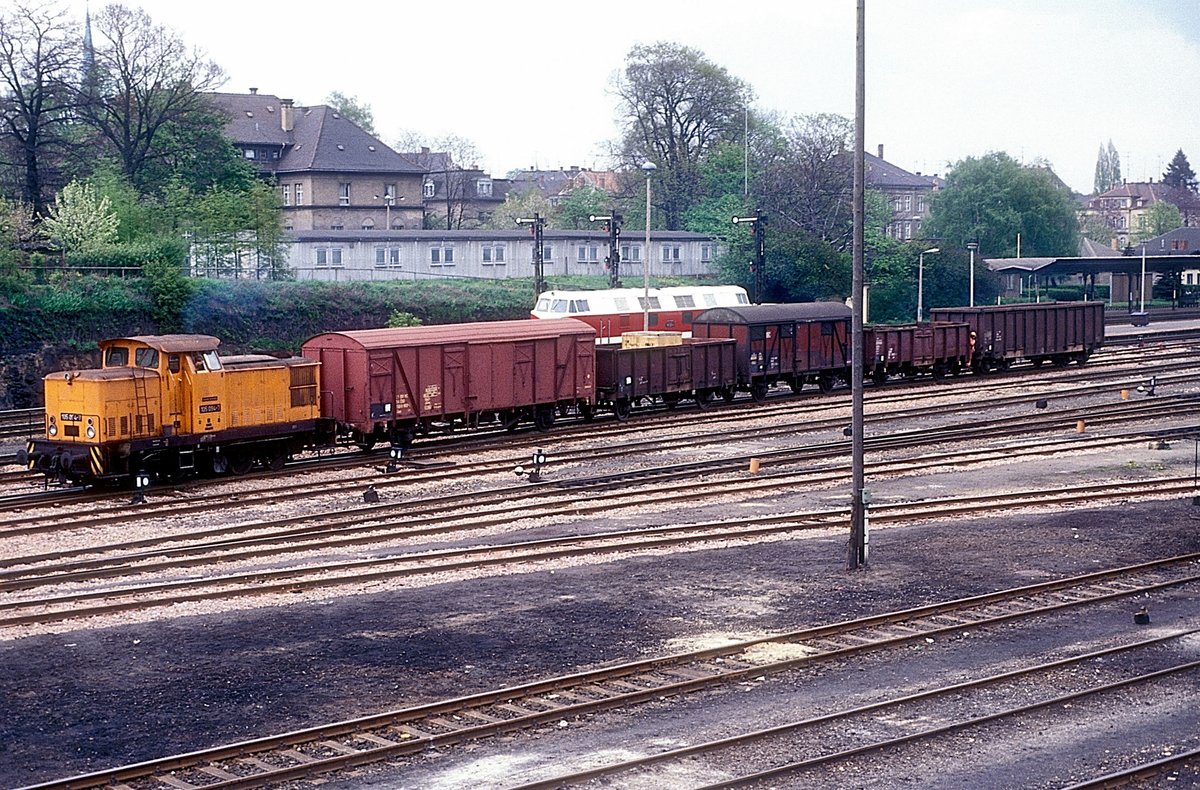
[(53, 429), (90, 430)]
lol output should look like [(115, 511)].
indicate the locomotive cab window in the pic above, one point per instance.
[(579, 306), (116, 357), (205, 361), (145, 358), (173, 363), (558, 306)]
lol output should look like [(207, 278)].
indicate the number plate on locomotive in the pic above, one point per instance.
[(70, 416)]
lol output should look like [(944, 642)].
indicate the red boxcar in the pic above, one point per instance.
[(910, 349), (697, 369), (388, 384), (1058, 332), (788, 343)]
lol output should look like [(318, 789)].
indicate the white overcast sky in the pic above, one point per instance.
[(529, 82)]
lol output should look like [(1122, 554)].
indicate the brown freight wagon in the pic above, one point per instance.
[(936, 348), (783, 343), (390, 384), (1057, 332), (697, 369)]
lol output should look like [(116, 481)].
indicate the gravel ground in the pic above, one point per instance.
[(112, 692)]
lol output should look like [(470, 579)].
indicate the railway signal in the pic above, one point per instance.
[(759, 224), (612, 226), (536, 227)]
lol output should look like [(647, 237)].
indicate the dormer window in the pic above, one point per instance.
[(429, 189), (483, 187)]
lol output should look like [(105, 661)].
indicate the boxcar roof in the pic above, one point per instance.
[(170, 344), (484, 331), (773, 313), (1018, 307)]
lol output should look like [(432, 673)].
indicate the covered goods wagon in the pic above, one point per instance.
[(390, 384)]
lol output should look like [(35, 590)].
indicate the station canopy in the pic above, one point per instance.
[(1119, 264)]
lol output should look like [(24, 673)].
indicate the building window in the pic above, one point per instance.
[(587, 254), (337, 225), (248, 153), (389, 194), (429, 189), (368, 224), (547, 252), (483, 187), (493, 254), (670, 253), (329, 257), (907, 230), (387, 257), (299, 194), (441, 256), (631, 252), (920, 204), (344, 194), (708, 252), (908, 202), (287, 194)]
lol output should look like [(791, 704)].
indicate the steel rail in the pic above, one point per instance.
[(407, 731)]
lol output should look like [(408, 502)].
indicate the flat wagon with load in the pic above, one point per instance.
[(693, 368)]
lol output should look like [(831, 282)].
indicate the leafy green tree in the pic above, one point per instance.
[(170, 291), (352, 109), (80, 218), (522, 204), (146, 80), (399, 318), (137, 217), (38, 60), (1095, 227), (993, 198), (1179, 173), (675, 107), (578, 205), (1160, 218)]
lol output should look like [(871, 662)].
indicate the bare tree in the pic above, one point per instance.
[(676, 106), (806, 178), (38, 55), (145, 80)]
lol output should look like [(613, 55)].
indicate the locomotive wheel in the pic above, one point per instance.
[(275, 460), (219, 464), (622, 408), (543, 419), (758, 391), (241, 463)]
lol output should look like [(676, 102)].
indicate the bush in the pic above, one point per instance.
[(129, 259)]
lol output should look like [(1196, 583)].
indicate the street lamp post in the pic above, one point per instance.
[(921, 280), (972, 246), (648, 168)]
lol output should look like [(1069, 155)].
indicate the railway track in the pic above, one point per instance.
[(108, 597), (409, 731), (799, 416)]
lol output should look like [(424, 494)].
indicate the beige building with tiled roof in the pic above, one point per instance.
[(332, 175), (1123, 208)]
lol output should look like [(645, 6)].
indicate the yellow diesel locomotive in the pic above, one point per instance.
[(168, 405)]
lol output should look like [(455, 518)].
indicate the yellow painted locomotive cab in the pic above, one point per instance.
[(169, 404)]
